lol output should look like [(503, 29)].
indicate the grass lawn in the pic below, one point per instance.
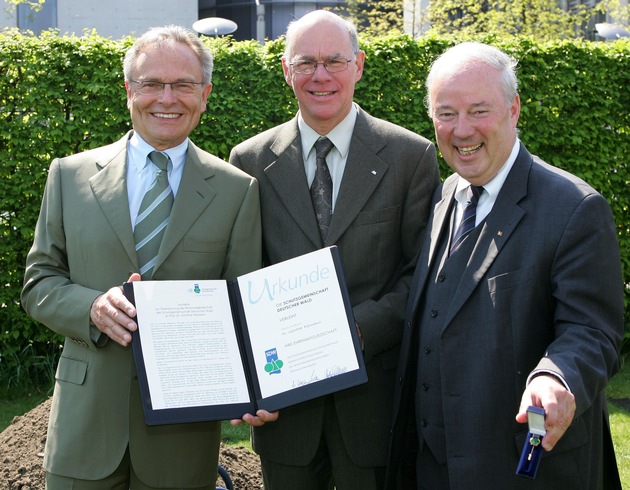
[(237, 436), (620, 427), (619, 389), (19, 405)]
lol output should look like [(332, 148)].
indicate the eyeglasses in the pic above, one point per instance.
[(153, 87), (304, 67)]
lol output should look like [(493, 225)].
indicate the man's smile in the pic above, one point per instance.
[(468, 150), (165, 115)]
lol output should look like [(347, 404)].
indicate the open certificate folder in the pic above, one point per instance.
[(215, 350)]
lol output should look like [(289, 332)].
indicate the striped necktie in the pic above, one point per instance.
[(153, 216), (321, 188), (467, 223)]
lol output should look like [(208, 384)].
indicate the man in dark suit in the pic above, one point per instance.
[(83, 251), (524, 309), (382, 179)]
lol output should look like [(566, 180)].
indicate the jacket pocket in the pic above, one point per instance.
[(575, 436), (374, 216), (71, 370), (509, 280), (389, 358), (204, 246)]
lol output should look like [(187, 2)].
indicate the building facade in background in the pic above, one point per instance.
[(256, 19)]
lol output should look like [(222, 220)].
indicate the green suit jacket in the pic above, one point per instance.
[(83, 246)]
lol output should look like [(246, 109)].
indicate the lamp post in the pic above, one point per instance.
[(260, 22)]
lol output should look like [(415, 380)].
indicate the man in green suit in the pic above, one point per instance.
[(84, 249)]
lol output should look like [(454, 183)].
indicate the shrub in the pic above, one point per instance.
[(62, 95)]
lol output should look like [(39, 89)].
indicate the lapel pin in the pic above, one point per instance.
[(499, 233), (373, 172)]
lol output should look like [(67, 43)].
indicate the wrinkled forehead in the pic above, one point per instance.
[(465, 77)]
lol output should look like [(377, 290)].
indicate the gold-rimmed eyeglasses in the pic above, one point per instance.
[(153, 87), (307, 67)]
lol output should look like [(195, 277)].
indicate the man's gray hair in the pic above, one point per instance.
[(462, 55), (168, 36)]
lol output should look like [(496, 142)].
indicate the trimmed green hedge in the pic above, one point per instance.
[(61, 95)]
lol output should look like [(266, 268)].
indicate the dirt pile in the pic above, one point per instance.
[(22, 454)]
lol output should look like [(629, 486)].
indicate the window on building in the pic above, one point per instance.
[(37, 21)]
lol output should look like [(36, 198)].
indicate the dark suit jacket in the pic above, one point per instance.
[(542, 291), (379, 218), (83, 246)]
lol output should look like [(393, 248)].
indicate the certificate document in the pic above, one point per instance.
[(214, 349)]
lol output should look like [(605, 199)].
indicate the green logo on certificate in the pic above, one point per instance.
[(274, 365)]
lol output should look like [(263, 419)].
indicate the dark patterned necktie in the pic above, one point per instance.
[(153, 215), (321, 188), (467, 223)]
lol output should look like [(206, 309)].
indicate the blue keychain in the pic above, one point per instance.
[(532, 450)]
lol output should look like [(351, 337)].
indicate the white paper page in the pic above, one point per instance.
[(189, 344), (297, 323)]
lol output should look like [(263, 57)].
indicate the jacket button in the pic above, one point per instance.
[(427, 349), (434, 312), (425, 386)]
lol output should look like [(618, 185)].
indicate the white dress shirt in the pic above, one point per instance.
[(491, 191), (341, 135), (141, 171)]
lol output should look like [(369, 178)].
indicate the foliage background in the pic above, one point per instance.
[(62, 95)]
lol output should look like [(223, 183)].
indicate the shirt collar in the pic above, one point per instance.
[(140, 150), (341, 134), (492, 187)]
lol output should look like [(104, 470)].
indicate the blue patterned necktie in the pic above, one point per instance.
[(467, 223), (321, 188), (153, 215)]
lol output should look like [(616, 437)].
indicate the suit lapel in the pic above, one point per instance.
[(193, 197), (364, 171), (442, 217), (110, 189), (109, 186), (287, 176), (439, 223), (497, 228)]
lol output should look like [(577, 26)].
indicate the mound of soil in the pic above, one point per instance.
[(22, 454)]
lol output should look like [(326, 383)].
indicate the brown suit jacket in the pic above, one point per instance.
[(378, 223)]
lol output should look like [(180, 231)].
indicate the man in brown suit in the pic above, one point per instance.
[(382, 180)]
